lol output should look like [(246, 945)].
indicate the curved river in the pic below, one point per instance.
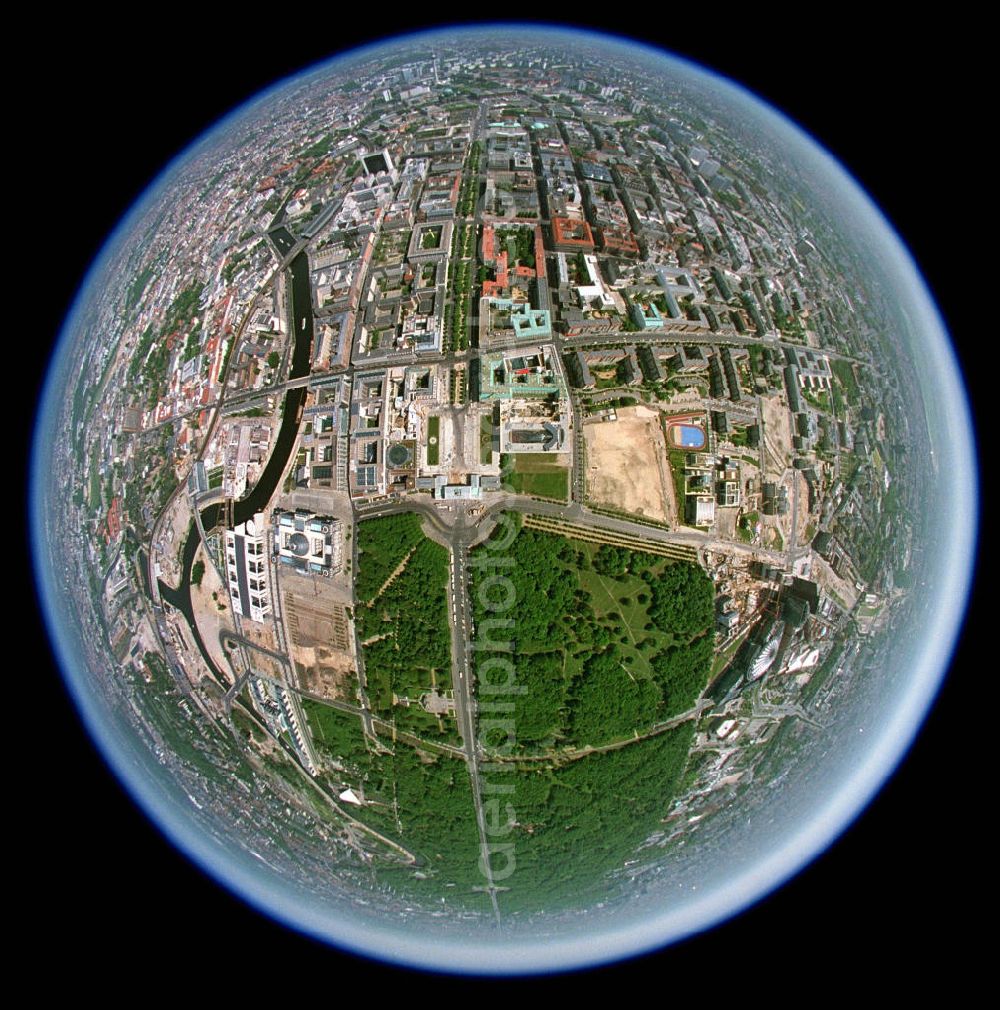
[(302, 337)]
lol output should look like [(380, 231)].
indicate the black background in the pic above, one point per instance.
[(107, 109)]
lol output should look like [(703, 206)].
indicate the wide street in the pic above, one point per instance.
[(465, 703)]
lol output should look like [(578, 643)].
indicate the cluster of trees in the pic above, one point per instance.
[(609, 703), (461, 290), (621, 401), (683, 599), (148, 366), (382, 545), (433, 802), (680, 672), (580, 266), (137, 287), (844, 372), (468, 192), (320, 149), (538, 711), (233, 265), (341, 735), (576, 823), (542, 593), (523, 243), (590, 680), (533, 593), (615, 562), (409, 624)]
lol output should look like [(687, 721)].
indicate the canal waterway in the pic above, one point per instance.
[(301, 319)]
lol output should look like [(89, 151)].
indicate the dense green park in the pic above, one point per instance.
[(421, 801), (573, 824), (606, 642), (402, 622), (147, 370)]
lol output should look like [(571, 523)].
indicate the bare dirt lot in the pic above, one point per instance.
[(777, 435), (210, 602), (319, 642), (726, 522), (627, 464)]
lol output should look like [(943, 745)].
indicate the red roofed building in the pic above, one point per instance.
[(539, 252), (571, 236), (113, 522), (489, 243)]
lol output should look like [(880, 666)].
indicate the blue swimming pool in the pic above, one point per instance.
[(690, 437)]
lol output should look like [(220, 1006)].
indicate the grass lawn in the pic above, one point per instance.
[(547, 484), (536, 474), (433, 440), (677, 458), (94, 494), (845, 376)]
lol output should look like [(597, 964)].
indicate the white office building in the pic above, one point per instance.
[(247, 568)]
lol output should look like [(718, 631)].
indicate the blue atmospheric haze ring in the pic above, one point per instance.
[(951, 576)]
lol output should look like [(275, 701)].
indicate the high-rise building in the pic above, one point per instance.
[(247, 568)]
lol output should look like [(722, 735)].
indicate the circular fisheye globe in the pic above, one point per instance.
[(503, 500)]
